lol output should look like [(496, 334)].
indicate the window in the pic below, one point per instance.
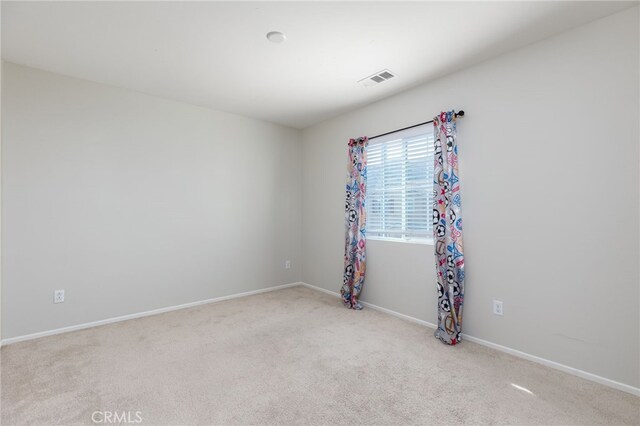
[(400, 185)]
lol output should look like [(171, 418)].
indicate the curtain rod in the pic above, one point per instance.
[(458, 114)]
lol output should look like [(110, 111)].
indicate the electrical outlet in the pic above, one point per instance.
[(58, 296), (497, 307), (287, 264)]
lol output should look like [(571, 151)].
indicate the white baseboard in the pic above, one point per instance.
[(139, 315), (555, 365), (375, 307), (548, 363), (552, 364)]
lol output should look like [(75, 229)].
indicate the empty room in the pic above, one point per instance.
[(320, 213)]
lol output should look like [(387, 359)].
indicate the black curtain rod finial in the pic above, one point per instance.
[(460, 114)]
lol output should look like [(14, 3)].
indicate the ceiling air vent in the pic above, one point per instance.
[(377, 78)]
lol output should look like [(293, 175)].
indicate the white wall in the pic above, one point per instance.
[(549, 178), (131, 202), (0, 185)]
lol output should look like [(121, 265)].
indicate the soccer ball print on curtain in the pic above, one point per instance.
[(447, 229), (355, 224)]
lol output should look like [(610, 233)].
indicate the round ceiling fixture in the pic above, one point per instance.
[(276, 37)]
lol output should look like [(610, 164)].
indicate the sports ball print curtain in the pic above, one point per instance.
[(355, 224), (447, 229)]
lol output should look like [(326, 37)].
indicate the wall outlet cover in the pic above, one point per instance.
[(498, 308)]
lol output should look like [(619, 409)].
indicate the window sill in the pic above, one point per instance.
[(423, 241)]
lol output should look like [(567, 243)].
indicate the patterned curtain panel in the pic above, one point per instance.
[(355, 219), (447, 229)]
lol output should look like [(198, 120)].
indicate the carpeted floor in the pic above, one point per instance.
[(293, 356)]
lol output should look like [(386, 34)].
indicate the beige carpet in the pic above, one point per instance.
[(293, 356)]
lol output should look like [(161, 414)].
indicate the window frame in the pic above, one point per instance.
[(404, 136)]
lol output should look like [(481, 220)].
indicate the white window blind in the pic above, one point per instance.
[(400, 185)]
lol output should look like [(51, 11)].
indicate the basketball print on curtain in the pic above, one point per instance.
[(355, 224), (447, 229)]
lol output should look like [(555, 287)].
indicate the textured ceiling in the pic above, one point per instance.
[(215, 54)]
